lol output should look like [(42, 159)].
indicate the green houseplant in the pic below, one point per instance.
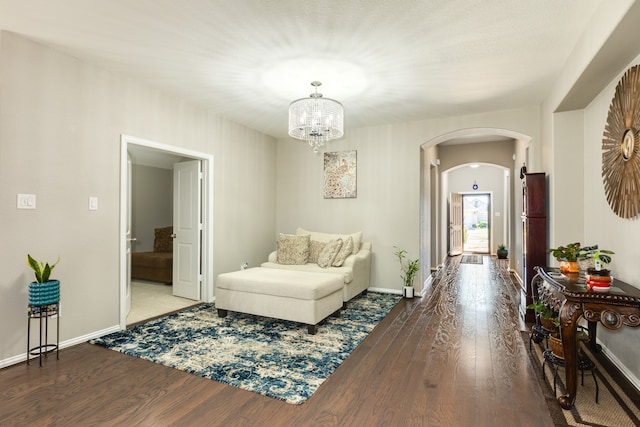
[(44, 291), (502, 251), (595, 258), (567, 256), (548, 318), (409, 268)]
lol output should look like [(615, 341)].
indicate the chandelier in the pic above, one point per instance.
[(316, 119)]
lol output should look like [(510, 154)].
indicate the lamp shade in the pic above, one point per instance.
[(316, 119)]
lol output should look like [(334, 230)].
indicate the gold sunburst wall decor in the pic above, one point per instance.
[(620, 146)]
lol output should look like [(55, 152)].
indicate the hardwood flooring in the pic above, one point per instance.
[(451, 358)]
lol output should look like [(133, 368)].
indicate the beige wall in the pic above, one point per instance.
[(574, 116), (60, 127), (603, 227)]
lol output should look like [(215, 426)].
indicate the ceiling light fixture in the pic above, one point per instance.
[(316, 119)]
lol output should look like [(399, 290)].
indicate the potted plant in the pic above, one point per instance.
[(43, 291), (502, 251), (567, 256), (596, 259), (547, 317), (409, 269)]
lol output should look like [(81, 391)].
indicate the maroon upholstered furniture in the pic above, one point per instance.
[(156, 266)]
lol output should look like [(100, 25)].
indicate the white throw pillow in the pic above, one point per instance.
[(315, 248), (293, 249), (329, 253), (345, 251), (325, 237)]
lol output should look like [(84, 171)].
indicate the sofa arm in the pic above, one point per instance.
[(360, 264)]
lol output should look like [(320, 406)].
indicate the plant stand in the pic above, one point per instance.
[(43, 312)]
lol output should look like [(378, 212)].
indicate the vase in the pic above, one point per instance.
[(548, 323), (407, 291), (556, 346), (44, 293), (569, 267)]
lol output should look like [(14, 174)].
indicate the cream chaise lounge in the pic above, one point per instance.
[(282, 294), (355, 268)]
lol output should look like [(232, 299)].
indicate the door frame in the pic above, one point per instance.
[(207, 215), (489, 194)]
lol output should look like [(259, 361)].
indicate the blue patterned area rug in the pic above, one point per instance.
[(271, 357)]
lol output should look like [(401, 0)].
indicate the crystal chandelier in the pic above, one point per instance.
[(316, 119)]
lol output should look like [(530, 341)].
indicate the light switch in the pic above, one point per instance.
[(26, 201), (93, 203)]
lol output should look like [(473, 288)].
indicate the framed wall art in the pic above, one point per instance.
[(340, 175)]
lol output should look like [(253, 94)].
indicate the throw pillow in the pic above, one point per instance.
[(315, 248), (293, 250), (345, 251), (163, 241), (328, 254), (324, 237)]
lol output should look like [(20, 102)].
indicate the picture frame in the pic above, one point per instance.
[(340, 174)]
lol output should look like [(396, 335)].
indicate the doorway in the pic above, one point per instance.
[(157, 154), (476, 222)]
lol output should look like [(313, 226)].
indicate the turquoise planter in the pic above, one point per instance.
[(44, 293)]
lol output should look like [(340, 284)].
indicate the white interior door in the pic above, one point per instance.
[(455, 224), (187, 227)]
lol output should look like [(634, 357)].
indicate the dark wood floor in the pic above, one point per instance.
[(452, 358)]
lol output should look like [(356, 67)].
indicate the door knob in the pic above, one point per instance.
[(173, 236), (132, 239)]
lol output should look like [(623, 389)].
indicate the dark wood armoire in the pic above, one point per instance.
[(534, 236)]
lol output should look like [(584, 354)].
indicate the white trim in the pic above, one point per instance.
[(69, 343), (207, 215), (385, 290), (427, 283)]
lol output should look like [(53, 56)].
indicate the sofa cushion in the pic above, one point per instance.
[(293, 249), (325, 237), (157, 260), (345, 251), (315, 248), (163, 241), (329, 253)]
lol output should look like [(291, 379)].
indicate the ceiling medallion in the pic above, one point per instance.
[(620, 146)]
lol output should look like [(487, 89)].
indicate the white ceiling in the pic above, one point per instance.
[(385, 60)]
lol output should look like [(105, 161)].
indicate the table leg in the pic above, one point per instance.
[(569, 314), (593, 345)]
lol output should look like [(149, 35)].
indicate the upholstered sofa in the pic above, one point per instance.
[(315, 252), (156, 266)]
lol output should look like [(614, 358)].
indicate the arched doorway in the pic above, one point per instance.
[(491, 146)]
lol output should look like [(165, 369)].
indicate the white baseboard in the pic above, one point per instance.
[(64, 344), (385, 290)]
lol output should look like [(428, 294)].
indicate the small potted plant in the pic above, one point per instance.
[(597, 259), (547, 317), (502, 251), (43, 291), (567, 256), (409, 269)]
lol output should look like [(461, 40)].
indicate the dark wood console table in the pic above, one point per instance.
[(569, 295)]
